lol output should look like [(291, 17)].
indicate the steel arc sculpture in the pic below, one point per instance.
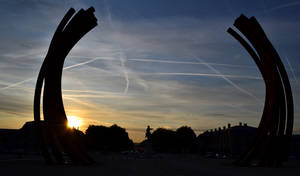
[(54, 136), (275, 128)]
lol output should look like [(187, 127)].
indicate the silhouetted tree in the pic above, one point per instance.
[(164, 140), (181, 140), (77, 135), (119, 140), (97, 137), (114, 138), (186, 139)]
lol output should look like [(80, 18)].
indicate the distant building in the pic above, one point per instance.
[(9, 140), (23, 140), (230, 141), (295, 147), (233, 141), (30, 142), (227, 141)]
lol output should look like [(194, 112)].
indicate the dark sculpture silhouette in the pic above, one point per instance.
[(56, 135), (276, 125)]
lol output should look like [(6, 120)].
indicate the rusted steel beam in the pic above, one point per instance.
[(277, 120)]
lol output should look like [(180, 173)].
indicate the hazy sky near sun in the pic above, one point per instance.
[(163, 63)]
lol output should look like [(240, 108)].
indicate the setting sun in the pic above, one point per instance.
[(74, 122)]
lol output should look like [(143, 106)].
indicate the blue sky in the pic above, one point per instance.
[(163, 63)]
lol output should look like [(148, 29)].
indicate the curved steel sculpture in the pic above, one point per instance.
[(276, 125), (55, 136)]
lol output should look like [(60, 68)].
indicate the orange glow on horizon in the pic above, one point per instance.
[(74, 122)]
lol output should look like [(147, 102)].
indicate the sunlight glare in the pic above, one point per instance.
[(74, 122)]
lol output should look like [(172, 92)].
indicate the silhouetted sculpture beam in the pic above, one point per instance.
[(67, 34), (276, 124)]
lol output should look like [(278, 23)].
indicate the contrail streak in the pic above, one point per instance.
[(82, 63), (98, 57), (94, 96), (203, 74), (295, 78), (292, 70), (16, 84), (91, 91), (284, 6), (29, 79), (229, 81), (199, 63), (184, 62), (90, 105), (122, 60), (4, 83)]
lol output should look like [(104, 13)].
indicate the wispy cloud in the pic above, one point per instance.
[(122, 60), (218, 75), (193, 63), (30, 79), (230, 82), (285, 5), (292, 70), (80, 64), (122, 55), (16, 84)]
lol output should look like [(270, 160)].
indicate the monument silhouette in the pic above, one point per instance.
[(276, 125), (274, 131), (56, 136), (148, 132)]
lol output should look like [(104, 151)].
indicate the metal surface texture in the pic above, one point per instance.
[(276, 125)]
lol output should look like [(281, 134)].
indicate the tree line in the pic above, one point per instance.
[(182, 140), (116, 139), (102, 138)]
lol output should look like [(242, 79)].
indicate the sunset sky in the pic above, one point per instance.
[(163, 63)]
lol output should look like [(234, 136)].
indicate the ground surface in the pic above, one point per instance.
[(158, 165)]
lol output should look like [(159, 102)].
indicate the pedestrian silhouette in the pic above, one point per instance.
[(148, 132)]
